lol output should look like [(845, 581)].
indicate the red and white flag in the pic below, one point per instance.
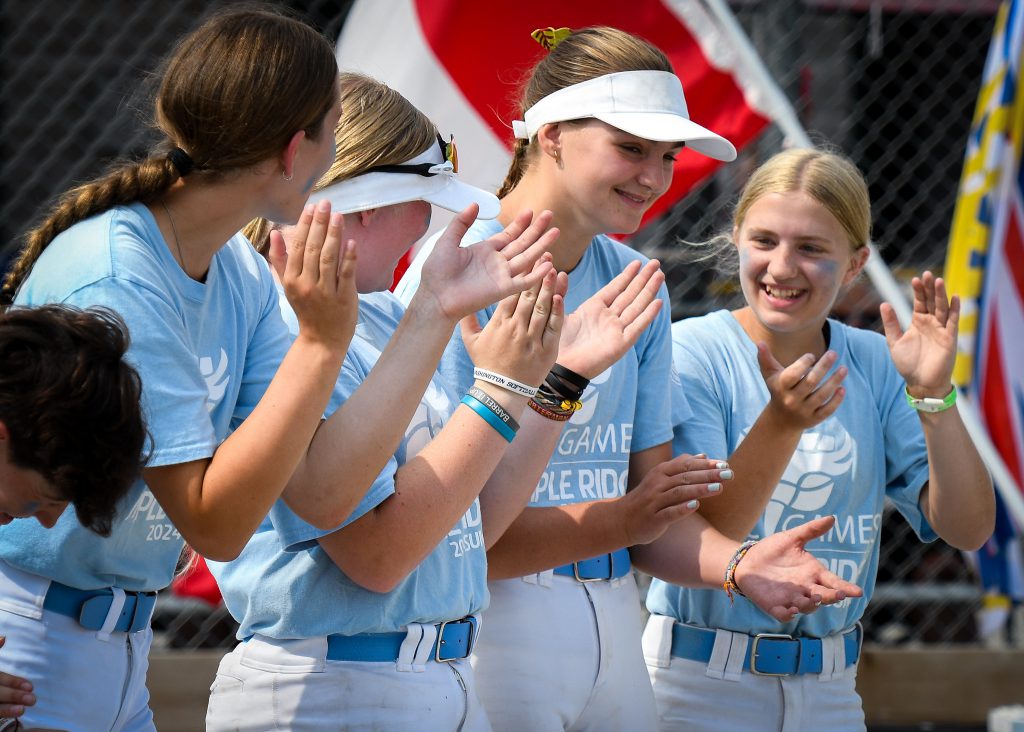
[(462, 61)]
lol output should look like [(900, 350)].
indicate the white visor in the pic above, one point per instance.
[(648, 104), (439, 186)]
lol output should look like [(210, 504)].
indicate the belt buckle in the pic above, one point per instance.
[(609, 578), (753, 652), (440, 639)]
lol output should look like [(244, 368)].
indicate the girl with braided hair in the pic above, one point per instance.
[(234, 406)]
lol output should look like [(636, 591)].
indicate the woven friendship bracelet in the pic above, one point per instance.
[(491, 403), (489, 417), (729, 584), (506, 383)]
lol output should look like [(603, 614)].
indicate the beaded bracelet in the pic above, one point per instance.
[(506, 383), (730, 585)]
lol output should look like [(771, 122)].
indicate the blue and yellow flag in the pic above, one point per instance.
[(985, 261), (985, 267)]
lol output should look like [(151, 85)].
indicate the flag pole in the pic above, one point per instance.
[(784, 115)]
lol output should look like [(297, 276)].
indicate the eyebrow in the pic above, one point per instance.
[(816, 239)]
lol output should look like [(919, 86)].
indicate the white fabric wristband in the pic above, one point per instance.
[(516, 387)]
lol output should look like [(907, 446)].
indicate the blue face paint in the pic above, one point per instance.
[(309, 184)]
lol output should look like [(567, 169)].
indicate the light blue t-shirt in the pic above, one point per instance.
[(284, 585), (206, 352), (628, 408), (871, 448)]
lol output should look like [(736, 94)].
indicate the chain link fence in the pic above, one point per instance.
[(892, 83)]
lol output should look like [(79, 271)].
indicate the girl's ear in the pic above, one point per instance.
[(549, 137), (367, 216), (290, 152), (857, 261)]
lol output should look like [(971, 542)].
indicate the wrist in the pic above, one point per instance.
[(929, 400), (514, 403), (427, 305)]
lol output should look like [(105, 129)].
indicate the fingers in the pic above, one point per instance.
[(539, 316), (458, 227), (470, 327), (511, 232), (619, 283), (278, 252), (297, 240), (953, 322), (941, 303), (347, 268), (811, 530), (528, 268), (639, 291), (315, 240), (890, 323), (633, 330), (766, 360)]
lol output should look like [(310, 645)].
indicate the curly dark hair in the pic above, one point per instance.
[(71, 405)]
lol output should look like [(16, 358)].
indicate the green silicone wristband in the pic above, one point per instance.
[(930, 404)]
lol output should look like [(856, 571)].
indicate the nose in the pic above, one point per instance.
[(655, 174), (48, 516), (782, 265)]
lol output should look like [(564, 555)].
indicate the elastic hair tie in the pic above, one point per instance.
[(549, 38), (181, 160)]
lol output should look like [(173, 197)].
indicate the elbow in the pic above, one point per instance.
[(217, 550), (378, 579)]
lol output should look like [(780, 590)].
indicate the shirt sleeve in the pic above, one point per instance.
[(172, 385)]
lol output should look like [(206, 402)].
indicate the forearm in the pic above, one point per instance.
[(356, 441), (690, 553), (433, 491), (758, 464), (216, 504), (514, 480), (546, 537), (958, 501)]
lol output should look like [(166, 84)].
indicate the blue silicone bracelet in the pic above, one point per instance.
[(490, 417)]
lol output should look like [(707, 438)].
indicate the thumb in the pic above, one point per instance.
[(766, 360), (811, 530), (890, 323), (457, 228), (470, 327), (278, 252)]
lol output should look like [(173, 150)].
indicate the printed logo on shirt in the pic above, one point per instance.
[(822, 462), (468, 534), (216, 378), (810, 477), (148, 509)]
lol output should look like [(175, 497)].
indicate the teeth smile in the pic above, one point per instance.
[(781, 292), (631, 197)]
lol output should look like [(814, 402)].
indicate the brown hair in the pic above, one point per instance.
[(586, 54), (379, 127), (211, 103), (829, 178), (71, 405)]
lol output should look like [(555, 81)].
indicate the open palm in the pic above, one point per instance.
[(607, 324), (924, 354), (465, 279)]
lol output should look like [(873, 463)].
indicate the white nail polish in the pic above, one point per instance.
[(721, 466), (693, 504), (714, 487), (725, 475)]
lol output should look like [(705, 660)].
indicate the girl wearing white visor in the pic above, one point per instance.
[(604, 119), (365, 619)]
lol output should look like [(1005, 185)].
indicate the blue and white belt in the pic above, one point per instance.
[(604, 567), (91, 607), (768, 654), (455, 639)]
